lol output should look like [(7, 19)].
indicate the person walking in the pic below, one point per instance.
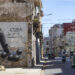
[(64, 56)]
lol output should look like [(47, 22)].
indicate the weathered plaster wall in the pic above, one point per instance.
[(17, 12)]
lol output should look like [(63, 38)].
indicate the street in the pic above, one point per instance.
[(37, 37), (56, 67), (52, 67)]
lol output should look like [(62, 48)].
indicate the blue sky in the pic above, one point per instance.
[(62, 11)]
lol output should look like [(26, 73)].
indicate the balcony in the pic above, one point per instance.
[(36, 19), (35, 23), (38, 3), (66, 44), (41, 13), (39, 35)]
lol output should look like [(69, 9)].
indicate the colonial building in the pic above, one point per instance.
[(69, 34), (46, 47), (56, 39), (20, 21)]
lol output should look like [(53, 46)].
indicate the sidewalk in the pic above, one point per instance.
[(36, 70), (21, 71), (60, 58)]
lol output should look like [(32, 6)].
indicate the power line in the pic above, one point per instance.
[(45, 27), (64, 19), (55, 20), (47, 20), (50, 23)]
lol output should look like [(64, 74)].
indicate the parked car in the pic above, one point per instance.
[(51, 56), (63, 59), (71, 54), (73, 60)]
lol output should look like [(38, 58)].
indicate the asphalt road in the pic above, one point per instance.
[(52, 67), (56, 67)]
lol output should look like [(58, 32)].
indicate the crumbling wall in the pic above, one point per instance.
[(16, 35), (14, 10)]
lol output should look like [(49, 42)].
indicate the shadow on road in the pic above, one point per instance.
[(55, 67), (58, 68)]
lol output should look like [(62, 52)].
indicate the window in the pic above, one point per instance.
[(47, 49), (47, 43), (37, 9)]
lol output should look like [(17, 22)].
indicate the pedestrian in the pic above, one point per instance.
[(64, 57)]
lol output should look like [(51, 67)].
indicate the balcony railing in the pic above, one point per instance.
[(39, 35)]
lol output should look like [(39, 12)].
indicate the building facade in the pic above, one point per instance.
[(46, 48), (56, 39), (69, 34), (20, 21), (61, 37)]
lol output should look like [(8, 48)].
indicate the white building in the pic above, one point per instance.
[(56, 39), (70, 41), (46, 48)]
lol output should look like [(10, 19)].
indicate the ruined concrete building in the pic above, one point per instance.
[(20, 21)]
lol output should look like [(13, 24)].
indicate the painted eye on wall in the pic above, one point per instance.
[(19, 52), (10, 57), (13, 58), (16, 58), (4, 55)]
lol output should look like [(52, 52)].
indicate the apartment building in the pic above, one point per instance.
[(69, 33), (46, 48), (56, 39)]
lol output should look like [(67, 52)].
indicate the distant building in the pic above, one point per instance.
[(69, 27), (69, 34), (46, 48), (56, 39), (62, 36)]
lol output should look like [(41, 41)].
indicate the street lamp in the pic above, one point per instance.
[(48, 14)]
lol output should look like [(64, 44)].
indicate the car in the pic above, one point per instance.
[(63, 59), (71, 54), (73, 60)]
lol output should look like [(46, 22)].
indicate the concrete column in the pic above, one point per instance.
[(29, 45)]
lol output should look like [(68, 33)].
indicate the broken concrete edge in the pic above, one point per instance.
[(2, 68)]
